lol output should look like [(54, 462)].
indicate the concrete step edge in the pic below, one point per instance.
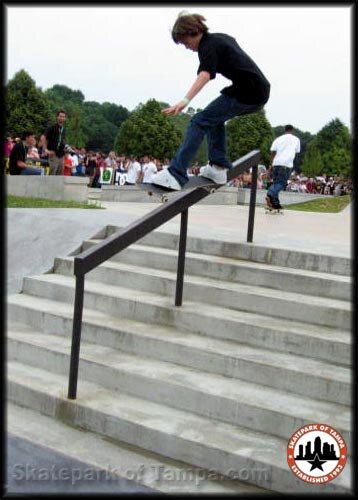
[(153, 336), (176, 434), (157, 300), (261, 253), (148, 469), (233, 261), (254, 290), (179, 378)]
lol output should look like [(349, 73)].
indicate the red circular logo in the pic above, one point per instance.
[(316, 453)]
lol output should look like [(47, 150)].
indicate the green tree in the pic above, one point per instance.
[(148, 132), (61, 95), (335, 145), (75, 128), (100, 132), (248, 132), (338, 161), (71, 101), (26, 105), (312, 164), (114, 114)]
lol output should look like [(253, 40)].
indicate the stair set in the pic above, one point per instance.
[(260, 347)]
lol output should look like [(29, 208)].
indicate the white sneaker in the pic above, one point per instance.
[(218, 175), (165, 179)]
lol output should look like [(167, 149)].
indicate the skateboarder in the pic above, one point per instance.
[(250, 90), (283, 151)]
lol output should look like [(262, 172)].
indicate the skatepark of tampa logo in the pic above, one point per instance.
[(316, 453)]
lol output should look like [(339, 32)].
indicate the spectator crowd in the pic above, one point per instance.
[(92, 164), (299, 183)]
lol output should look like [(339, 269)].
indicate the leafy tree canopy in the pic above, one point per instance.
[(148, 132), (248, 132), (26, 105)]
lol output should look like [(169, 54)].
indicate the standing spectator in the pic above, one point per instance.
[(283, 151), (133, 171), (55, 144), (148, 170), (91, 166), (97, 176), (18, 156)]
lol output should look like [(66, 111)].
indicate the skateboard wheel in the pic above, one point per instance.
[(164, 199)]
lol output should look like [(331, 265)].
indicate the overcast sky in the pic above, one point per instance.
[(125, 55)]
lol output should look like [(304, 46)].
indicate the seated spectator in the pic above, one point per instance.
[(33, 153), (42, 150), (311, 186), (18, 156), (246, 180), (8, 145)]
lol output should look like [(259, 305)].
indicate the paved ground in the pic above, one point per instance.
[(36, 236), (32, 469)]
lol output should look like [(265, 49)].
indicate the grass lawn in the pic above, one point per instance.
[(24, 202), (331, 204)]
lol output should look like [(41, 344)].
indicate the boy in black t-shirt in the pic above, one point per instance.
[(250, 90), (17, 162)]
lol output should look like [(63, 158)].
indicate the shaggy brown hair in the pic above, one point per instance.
[(188, 25)]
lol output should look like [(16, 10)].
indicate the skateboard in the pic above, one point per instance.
[(195, 181), (270, 209), (273, 211)]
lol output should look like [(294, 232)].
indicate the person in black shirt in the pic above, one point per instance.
[(55, 144), (17, 161), (250, 90)]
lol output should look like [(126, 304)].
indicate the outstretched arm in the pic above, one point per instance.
[(201, 80)]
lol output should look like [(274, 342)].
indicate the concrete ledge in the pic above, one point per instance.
[(54, 187), (286, 197), (226, 195)]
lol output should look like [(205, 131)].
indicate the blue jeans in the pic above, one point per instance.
[(280, 177), (31, 171), (209, 122)]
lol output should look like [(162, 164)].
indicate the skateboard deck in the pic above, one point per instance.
[(273, 211), (164, 194), (270, 209), (197, 181)]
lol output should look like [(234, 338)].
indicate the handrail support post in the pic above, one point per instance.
[(76, 336), (181, 257), (250, 226)]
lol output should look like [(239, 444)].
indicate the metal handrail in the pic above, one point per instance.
[(180, 203)]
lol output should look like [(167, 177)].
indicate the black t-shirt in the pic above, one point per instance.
[(220, 53), (18, 153), (55, 139)]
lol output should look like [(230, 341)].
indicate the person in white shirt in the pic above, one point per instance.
[(149, 169), (283, 151), (133, 171)]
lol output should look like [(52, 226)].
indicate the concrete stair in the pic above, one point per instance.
[(220, 383)]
